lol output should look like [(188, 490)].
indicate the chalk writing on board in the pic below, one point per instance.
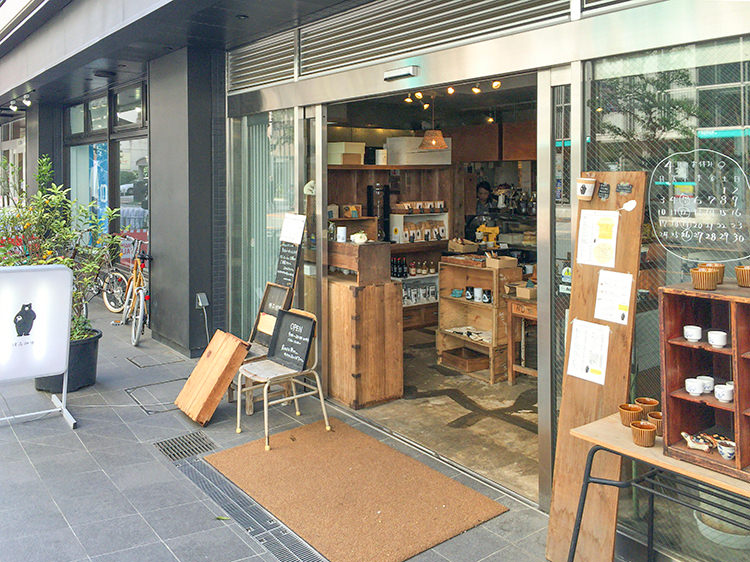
[(698, 206), (291, 340), (286, 267)]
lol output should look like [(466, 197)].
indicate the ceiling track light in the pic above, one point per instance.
[(496, 84), (26, 100), (408, 99), (425, 106), (476, 89), (418, 95), (12, 106), (451, 90)]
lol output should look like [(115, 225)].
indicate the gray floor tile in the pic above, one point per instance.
[(534, 544), (143, 474), (16, 472), (101, 506), (428, 556), (103, 537), (182, 520), (30, 518), (106, 436), (517, 524), (483, 489), (68, 463), (156, 552), (471, 546), (512, 554), (12, 451), (58, 545), (168, 494), (124, 455), (217, 545)]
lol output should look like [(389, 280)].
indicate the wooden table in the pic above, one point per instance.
[(609, 435), (522, 310)]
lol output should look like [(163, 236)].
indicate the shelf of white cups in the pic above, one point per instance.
[(716, 340)]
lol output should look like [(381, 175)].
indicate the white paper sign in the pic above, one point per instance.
[(589, 345), (613, 297), (34, 320), (597, 238), (293, 228)]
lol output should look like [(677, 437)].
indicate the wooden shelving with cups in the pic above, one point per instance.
[(706, 334), (485, 311)]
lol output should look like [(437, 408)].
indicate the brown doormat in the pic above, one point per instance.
[(351, 497)]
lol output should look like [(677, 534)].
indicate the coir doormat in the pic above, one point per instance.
[(353, 498)]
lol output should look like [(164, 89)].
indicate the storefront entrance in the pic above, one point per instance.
[(443, 213)]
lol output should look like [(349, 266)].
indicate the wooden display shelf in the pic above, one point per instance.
[(708, 460), (354, 224), (420, 315), (464, 302), (746, 355), (416, 247), (707, 399), (465, 338), (385, 167), (415, 277), (420, 304), (369, 261), (705, 346)]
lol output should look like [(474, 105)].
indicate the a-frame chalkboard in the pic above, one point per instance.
[(292, 337)]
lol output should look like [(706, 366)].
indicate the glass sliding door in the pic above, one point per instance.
[(262, 188), (132, 189), (89, 175)]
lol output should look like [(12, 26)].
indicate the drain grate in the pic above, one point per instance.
[(185, 446), (268, 531)]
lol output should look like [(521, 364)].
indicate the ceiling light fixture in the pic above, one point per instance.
[(408, 99), (476, 89), (490, 119), (433, 138), (418, 95), (425, 106), (12, 106), (26, 100), (241, 16), (451, 90), (496, 84)]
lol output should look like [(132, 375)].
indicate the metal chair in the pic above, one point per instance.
[(285, 364)]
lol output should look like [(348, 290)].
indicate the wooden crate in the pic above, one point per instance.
[(465, 359), (370, 262), (726, 309), (353, 225), (365, 343)]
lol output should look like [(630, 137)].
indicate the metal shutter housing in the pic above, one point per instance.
[(267, 61), (394, 27)]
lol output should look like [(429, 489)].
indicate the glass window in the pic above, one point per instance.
[(261, 191), (129, 107), (98, 114), (133, 189), (76, 119), (89, 175)]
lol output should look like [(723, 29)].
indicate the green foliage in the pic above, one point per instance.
[(48, 228), (44, 173), (126, 176)]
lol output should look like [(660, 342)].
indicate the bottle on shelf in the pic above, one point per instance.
[(412, 269), (432, 267)]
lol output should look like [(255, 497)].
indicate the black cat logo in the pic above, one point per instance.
[(24, 320)]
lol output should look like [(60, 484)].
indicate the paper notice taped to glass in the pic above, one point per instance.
[(613, 297), (589, 345), (293, 228), (597, 238)]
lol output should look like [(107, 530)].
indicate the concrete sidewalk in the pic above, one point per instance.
[(104, 492)]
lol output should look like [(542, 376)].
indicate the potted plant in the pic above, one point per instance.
[(47, 227)]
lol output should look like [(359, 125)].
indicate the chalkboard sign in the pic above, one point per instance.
[(275, 298), (286, 268), (292, 336)]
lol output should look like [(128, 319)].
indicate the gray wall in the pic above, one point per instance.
[(43, 136), (181, 167)]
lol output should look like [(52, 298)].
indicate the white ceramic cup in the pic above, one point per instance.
[(724, 393), (585, 188), (694, 387), (717, 338), (708, 383), (478, 294), (730, 384), (692, 333), (340, 234)]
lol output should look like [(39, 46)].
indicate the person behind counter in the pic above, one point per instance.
[(486, 202)]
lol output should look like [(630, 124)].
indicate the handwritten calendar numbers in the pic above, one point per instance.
[(698, 202)]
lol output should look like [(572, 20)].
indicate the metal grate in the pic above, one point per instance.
[(279, 540), (391, 28), (186, 446), (266, 61)]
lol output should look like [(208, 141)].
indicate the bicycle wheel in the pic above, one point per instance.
[(127, 305), (139, 316), (114, 291)]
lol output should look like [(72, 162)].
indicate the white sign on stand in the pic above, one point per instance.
[(35, 307)]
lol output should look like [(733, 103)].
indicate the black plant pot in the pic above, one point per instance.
[(81, 366)]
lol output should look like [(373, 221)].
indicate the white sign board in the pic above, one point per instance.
[(589, 346), (35, 305), (293, 228)]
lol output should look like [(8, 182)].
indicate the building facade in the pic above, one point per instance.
[(203, 120)]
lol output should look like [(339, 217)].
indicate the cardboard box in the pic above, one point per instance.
[(351, 211), (349, 147), (525, 292), (465, 246), (511, 238), (345, 158), (502, 262), (404, 151), (333, 211)]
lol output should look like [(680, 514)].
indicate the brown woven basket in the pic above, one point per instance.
[(704, 279), (644, 433), (717, 266), (743, 275), (656, 418), (630, 413)]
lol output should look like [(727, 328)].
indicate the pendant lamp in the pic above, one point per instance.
[(433, 138)]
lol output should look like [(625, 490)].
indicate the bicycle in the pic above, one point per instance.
[(112, 285), (136, 295)]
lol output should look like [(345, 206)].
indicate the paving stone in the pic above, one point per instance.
[(182, 520), (471, 546), (216, 545), (156, 552), (59, 545), (517, 524), (102, 537)]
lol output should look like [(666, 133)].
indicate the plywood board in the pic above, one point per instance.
[(211, 377), (584, 401)]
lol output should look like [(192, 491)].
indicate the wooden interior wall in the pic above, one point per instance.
[(584, 401)]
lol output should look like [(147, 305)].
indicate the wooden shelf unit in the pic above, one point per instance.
[(458, 312), (726, 309)]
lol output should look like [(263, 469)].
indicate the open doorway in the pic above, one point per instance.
[(444, 212)]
